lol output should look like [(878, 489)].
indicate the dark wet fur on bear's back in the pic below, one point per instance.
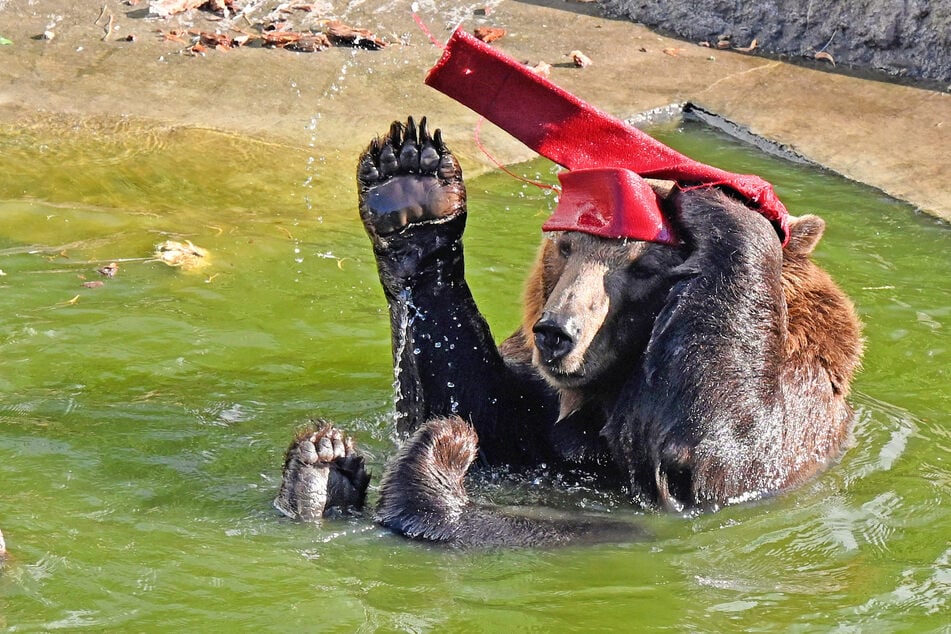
[(740, 391)]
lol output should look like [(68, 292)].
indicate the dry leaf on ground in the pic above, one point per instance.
[(488, 33), (340, 33)]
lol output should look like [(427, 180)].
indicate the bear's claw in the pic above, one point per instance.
[(322, 475), (408, 177)]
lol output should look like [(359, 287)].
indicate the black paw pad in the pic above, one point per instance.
[(406, 177)]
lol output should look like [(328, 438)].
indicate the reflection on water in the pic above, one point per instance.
[(142, 422)]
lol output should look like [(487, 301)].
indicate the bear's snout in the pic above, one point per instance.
[(553, 337)]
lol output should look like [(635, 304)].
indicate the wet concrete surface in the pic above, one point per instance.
[(88, 77)]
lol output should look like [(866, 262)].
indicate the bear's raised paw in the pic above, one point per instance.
[(322, 475), (407, 177)]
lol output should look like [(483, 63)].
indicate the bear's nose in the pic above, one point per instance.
[(552, 337)]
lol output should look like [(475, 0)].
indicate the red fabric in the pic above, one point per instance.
[(575, 134), (589, 198)]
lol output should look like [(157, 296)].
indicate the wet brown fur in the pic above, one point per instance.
[(822, 346)]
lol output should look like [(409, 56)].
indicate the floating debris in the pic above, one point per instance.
[(94, 284), (108, 270), (827, 57), (185, 256)]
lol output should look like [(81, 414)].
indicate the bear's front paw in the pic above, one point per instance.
[(322, 475), (406, 178)]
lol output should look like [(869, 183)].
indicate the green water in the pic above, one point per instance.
[(142, 423)]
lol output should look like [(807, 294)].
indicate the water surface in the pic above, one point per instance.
[(142, 423)]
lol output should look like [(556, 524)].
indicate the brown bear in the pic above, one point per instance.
[(687, 376)]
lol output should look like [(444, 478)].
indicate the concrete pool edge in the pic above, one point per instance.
[(677, 113), (895, 138)]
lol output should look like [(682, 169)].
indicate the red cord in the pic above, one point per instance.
[(432, 38), (422, 26), (499, 165)]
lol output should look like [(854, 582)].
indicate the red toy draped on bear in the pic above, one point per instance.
[(578, 136)]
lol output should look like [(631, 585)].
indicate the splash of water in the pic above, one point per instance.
[(407, 313)]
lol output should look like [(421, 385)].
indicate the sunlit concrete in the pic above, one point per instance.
[(895, 138)]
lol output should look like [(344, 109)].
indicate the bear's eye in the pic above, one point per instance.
[(564, 247)]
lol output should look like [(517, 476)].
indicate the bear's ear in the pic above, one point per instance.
[(804, 234)]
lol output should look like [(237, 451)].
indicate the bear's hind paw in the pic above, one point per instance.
[(322, 475)]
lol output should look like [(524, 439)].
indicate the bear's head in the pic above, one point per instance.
[(591, 302)]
